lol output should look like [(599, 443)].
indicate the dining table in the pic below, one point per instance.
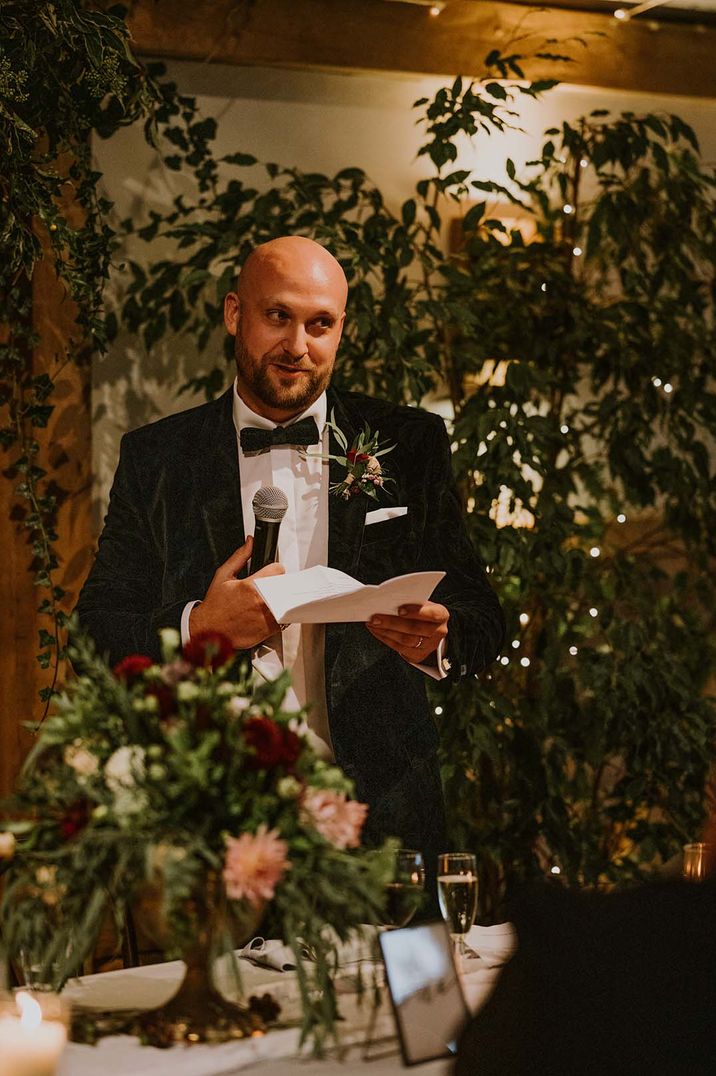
[(367, 1041)]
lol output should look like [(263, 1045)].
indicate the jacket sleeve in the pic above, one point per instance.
[(120, 605), (476, 628)]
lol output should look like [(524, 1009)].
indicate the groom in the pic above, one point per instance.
[(176, 545)]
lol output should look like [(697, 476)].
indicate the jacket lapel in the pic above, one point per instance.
[(215, 468)]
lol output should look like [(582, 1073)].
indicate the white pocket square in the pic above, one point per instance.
[(381, 514)]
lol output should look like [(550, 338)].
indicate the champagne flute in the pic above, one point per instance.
[(404, 892), (457, 894)]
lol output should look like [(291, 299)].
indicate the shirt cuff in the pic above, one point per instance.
[(186, 613), (440, 670)]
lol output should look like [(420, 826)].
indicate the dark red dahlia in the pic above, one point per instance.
[(273, 744), (208, 649), (164, 694), (131, 668), (357, 457), (74, 819)]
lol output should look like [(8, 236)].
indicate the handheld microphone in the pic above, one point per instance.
[(269, 505)]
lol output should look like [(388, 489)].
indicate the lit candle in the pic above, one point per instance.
[(29, 1045)]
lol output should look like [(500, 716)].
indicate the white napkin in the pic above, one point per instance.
[(494, 945), (269, 953)]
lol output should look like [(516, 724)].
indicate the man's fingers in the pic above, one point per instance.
[(426, 611), (270, 569), (236, 561)]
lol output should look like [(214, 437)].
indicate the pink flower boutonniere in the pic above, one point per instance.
[(364, 473)]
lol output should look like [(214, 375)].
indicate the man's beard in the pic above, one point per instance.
[(255, 372)]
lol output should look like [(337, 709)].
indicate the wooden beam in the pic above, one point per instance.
[(375, 35)]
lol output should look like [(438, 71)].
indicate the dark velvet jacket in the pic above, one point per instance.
[(175, 515)]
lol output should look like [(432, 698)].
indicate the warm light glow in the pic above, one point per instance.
[(594, 551), (573, 651), (543, 287), (524, 618), (656, 381), (621, 518), (583, 163), (555, 870), (515, 644), (30, 1011), (504, 660), (438, 710), (524, 662), (620, 13), (564, 428), (668, 387), (436, 9), (577, 251), (567, 208), (593, 612)]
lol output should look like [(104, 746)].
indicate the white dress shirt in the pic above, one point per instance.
[(303, 543)]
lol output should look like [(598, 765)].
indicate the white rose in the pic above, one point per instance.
[(82, 761), (7, 845), (170, 642), (124, 767), (128, 802)]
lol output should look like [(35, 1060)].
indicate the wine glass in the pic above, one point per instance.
[(404, 892), (694, 864), (457, 894)]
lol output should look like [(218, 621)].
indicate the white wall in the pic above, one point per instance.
[(318, 122)]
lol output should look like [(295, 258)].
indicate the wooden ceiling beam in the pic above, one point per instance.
[(375, 35)]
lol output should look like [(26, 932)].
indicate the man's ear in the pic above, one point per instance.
[(232, 312), (341, 325)]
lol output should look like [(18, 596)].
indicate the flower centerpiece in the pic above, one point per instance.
[(185, 779)]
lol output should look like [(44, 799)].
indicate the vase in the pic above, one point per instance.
[(198, 1012)]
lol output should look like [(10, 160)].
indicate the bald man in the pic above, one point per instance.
[(176, 543)]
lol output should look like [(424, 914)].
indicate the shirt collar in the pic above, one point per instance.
[(244, 416)]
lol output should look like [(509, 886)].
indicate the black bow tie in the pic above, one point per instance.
[(255, 439)]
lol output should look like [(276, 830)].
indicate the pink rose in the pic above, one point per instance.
[(336, 818), (254, 864)]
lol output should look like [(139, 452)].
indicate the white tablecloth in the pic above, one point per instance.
[(276, 1053)]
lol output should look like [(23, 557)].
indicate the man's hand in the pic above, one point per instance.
[(234, 606), (415, 634)]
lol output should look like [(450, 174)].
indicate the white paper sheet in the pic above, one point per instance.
[(323, 595)]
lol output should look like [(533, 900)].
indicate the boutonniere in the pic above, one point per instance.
[(364, 473)]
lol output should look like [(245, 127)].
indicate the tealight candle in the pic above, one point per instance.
[(29, 1044)]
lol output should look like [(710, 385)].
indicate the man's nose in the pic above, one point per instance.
[(295, 343)]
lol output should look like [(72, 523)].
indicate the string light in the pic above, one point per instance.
[(567, 208), (436, 9), (573, 651), (576, 251), (524, 618), (504, 660), (621, 14), (594, 551), (668, 387), (564, 428), (543, 287), (583, 163), (621, 518), (515, 644), (438, 710), (656, 382), (555, 870), (524, 662), (593, 612)]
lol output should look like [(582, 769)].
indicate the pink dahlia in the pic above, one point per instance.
[(336, 818), (254, 864)]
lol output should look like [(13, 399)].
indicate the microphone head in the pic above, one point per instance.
[(269, 504)]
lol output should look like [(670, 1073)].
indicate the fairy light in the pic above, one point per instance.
[(524, 618), (576, 251), (504, 660), (436, 9), (668, 387), (564, 428), (656, 382), (621, 518), (543, 287), (555, 870), (438, 710), (595, 551), (593, 612), (515, 644), (573, 651), (621, 14), (525, 663), (583, 163), (567, 208)]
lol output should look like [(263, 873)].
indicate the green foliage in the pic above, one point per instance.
[(580, 369), (142, 777)]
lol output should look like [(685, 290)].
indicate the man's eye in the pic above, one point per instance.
[(323, 323), (278, 315)]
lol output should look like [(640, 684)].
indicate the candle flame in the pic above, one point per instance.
[(30, 1011)]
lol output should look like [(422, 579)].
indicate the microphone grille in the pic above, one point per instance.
[(270, 504)]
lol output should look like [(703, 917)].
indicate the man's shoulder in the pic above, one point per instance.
[(385, 415), (181, 427)]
